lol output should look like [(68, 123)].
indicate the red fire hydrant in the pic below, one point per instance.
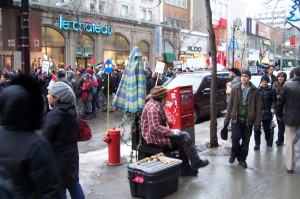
[(113, 138)]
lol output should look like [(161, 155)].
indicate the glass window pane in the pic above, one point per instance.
[(143, 14), (124, 11), (169, 47), (149, 15)]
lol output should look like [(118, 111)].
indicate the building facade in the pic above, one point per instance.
[(74, 33)]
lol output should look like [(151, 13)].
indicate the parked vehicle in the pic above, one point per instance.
[(201, 82)]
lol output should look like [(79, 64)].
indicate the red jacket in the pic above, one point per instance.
[(87, 91), (154, 124)]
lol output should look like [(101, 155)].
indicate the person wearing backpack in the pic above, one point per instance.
[(25, 155)]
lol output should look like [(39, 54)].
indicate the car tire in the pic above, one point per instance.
[(196, 115)]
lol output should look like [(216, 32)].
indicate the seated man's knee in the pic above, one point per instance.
[(185, 135)]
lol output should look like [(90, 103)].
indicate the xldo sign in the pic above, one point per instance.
[(87, 26)]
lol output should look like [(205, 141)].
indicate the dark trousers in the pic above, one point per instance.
[(267, 129), (281, 129), (240, 130), (187, 150)]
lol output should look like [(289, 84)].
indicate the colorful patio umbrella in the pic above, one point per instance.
[(131, 92)]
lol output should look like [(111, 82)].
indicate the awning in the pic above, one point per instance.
[(170, 57)]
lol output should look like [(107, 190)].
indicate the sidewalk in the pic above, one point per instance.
[(265, 176)]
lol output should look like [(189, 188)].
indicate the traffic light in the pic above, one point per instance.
[(4, 3)]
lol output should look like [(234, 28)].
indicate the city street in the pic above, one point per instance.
[(265, 176)]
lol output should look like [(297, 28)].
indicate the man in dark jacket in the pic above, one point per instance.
[(244, 111), (24, 154), (77, 90), (152, 81), (288, 109), (270, 75)]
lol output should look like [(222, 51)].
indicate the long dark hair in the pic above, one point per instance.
[(282, 74)]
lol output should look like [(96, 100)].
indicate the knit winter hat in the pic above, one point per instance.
[(265, 78), (159, 92), (63, 92), (90, 71)]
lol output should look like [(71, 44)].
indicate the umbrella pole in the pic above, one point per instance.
[(107, 106)]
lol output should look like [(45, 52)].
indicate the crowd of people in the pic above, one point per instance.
[(250, 107), (47, 167), (52, 101)]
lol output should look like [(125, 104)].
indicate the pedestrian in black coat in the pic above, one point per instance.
[(61, 129), (26, 156), (268, 104)]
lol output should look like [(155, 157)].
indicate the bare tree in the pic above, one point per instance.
[(213, 86)]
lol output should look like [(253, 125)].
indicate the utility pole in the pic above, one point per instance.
[(25, 38)]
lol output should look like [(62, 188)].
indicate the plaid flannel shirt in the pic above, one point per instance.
[(154, 124)]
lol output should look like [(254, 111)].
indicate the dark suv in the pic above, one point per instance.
[(201, 87)]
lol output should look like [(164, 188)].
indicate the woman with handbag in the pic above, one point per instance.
[(61, 129)]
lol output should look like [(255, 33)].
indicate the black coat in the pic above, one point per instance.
[(288, 102), (25, 155), (151, 84), (61, 128), (268, 102)]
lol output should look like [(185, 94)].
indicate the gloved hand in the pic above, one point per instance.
[(257, 127), (224, 133), (176, 132)]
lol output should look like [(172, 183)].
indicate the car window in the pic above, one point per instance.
[(221, 82), (184, 80)]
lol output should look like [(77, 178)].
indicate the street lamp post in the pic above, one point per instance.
[(25, 39), (236, 25)]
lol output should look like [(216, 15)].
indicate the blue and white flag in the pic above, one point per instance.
[(108, 66), (236, 44)]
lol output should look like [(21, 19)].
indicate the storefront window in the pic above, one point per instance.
[(116, 47), (169, 47), (144, 46), (53, 46), (84, 51)]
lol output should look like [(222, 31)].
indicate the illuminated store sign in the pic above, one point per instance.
[(87, 26)]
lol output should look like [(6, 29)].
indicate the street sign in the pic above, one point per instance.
[(108, 66), (45, 66), (11, 43), (37, 43), (253, 69), (177, 64), (159, 68)]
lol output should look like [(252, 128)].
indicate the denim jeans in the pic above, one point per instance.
[(75, 191), (240, 130)]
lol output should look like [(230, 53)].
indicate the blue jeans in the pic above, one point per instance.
[(75, 191)]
